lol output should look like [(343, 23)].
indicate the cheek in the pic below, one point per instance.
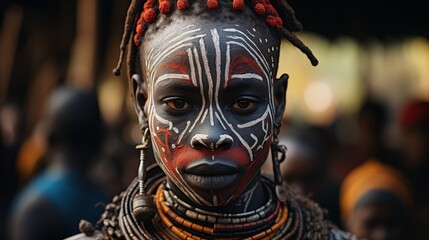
[(262, 152), (259, 157), (164, 141), (258, 136), (252, 168)]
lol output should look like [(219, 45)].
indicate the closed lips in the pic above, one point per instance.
[(211, 174)]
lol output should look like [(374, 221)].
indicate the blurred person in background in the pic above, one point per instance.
[(10, 140), (52, 204), (371, 120), (375, 202), (413, 122), (306, 166)]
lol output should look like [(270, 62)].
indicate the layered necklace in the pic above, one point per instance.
[(176, 219)]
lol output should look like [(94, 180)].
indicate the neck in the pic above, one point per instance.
[(252, 198), (205, 222)]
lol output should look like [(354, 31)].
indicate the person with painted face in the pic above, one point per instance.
[(202, 75)]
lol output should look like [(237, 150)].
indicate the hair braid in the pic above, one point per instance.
[(286, 12), (133, 11), (131, 58), (299, 44)]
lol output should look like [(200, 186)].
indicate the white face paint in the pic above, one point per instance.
[(211, 107)]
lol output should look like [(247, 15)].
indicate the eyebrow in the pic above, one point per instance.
[(246, 76), (171, 76), (176, 86), (235, 85)]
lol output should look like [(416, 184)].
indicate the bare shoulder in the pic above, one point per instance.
[(82, 236), (337, 234), (88, 232)]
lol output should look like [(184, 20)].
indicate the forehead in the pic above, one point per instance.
[(239, 45), (184, 34)]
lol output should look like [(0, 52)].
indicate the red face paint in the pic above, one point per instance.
[(241, 64), (211, 112)]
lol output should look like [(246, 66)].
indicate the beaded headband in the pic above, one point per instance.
[(152, 8)]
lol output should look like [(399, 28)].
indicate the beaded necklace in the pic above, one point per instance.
[(176, 214), (177, 219)]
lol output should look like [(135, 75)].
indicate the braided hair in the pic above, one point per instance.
[(278, 14)]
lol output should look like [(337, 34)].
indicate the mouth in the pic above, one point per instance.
[(211, 174)]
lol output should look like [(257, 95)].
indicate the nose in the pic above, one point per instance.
[(212, 142)]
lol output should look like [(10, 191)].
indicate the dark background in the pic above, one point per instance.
[(361, 19), (364, 19)]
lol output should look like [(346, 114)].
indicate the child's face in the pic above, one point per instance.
[(210, 105)]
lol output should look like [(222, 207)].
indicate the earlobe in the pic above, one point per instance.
[(140, 97), (280, 87)]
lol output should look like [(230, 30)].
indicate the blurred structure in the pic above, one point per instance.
[(52, 204), (376, 202)]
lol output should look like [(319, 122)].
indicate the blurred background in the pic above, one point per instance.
[(365, 100)]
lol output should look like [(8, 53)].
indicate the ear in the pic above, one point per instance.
[(280, 87), (140, 95)]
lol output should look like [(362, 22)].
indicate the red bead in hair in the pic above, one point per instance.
[(259, 9), (140, 29), (182, 4), (140, 21), (164, 7), (238, 5), (270, 9), (212, 4), (148, 4), (279, 22), (271, 21), (136, 40), (149, 15)]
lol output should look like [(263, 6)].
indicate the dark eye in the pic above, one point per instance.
[(244, 105), (177, 104)]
